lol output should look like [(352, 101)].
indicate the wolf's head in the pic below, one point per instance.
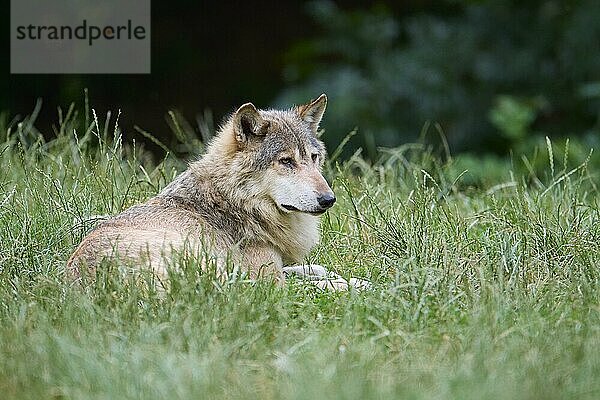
[(281, 156)]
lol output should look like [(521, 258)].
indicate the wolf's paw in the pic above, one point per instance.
[(325, 280), (334, 285), (311, 271), (340, 284), (360, 284)]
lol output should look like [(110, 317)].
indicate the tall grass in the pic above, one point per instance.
[(488, 291)]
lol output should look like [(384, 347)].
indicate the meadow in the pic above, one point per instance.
[(486, 281)]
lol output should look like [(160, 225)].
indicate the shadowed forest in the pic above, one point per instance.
[(487, 76)]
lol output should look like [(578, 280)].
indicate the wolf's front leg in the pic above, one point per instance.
[(323, 279), (262, 262), (311, 272)]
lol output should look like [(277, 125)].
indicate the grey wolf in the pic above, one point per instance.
[(253, 199)]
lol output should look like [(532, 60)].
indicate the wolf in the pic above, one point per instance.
[(254, 199)]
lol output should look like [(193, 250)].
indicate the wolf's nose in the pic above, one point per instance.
[(326, 200)]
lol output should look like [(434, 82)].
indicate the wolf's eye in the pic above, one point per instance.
[(315, 158), (287, 161)]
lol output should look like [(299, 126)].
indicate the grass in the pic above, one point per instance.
[(480, 292)]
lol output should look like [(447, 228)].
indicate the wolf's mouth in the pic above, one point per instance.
[(289, 208), (292, 208)]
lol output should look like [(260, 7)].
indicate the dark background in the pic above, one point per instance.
[(204, 55), (492, 74)]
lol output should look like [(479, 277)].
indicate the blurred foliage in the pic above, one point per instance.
[(513, 117), (490, 73)]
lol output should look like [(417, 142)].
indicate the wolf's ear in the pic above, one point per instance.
[(247, 123), (313, 111)]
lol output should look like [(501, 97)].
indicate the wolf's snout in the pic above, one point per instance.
[(326, 200)]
